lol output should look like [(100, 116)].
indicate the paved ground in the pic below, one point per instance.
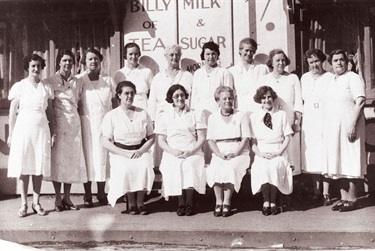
[(300, 226)]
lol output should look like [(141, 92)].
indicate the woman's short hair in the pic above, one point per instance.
[(249, 41), (61, 54), (128, 46), (272, 54), (32, 57), (92, 50), (212, 46), (173, 89), (337, 52), (262, 91), (172, 47), (315, 52), (123, 84), (221, 89)]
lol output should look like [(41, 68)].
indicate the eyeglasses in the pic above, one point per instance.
[(128, 93), (182, 95)]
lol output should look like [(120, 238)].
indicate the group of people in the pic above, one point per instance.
[(206, 129)]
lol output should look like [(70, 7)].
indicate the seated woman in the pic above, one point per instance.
[(128, 136), (228, 135), (181, 134), (271, 170)]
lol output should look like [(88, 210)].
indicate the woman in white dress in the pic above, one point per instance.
[(344, 131), (135, 73), (288, 89), (314, 86), (246, 74), (271, 132), (160, 84), (96, 100), (29, 135), (228, 135), (67, 161), (182, 132), (128, 136), (206, 80)]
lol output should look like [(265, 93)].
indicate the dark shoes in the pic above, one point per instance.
[(266, 211), (59, 208), (87, 201), (327, 200), (68, 206), (189, 210), (38, 209), (22, 212), (348, 206), (226, 211), (142, 210), (218, 211), (181, 210), (103, 200), (133, 210), (339, 205)]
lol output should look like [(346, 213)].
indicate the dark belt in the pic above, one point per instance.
[(132, 147), (230, 140)]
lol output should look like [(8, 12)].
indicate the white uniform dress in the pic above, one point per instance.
[(95, 103), (180, 131), (288, 89), (30, 151), (128, 175), (204, 87), (141, 77), (343, 158), (313, 92), (159, 88), (275, 171), (67, 160), (245, 83), (220, 128)]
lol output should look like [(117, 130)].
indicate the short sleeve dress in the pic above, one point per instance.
[(343, 159), (180, 131), (288, 89), (313, 93), (96, 101), (223, 130), (141, 77), (128, 175), (275, 171), (67, 160), (30, 151)]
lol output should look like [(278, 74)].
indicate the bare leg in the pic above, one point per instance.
[(351, 195), (23, 186), (218, 190), (326, 183), (67, 187), (265, 188), (228, 192), (273, 195), (57, 187), (140, 198), (316, 183), (37, 185)]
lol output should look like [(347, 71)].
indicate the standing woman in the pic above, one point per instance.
[(136, 73), (181, 134), (314, 86), (228, 135), (97, 93), (29, 135), (344, 130), (67, 161), (128, 136), (271, 132), (288, 89)]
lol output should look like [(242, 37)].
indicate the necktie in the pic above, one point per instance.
[(268, 120)]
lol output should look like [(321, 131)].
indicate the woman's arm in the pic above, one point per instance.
[(215, 149), (108, 144), (358, 107), (241, 147), (283, 146), (51, 120), (254, 147), (201, 134), (162, 140), (150, 141), (12, 118)]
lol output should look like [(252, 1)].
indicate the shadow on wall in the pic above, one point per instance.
[(150, 63), (190, 65)]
